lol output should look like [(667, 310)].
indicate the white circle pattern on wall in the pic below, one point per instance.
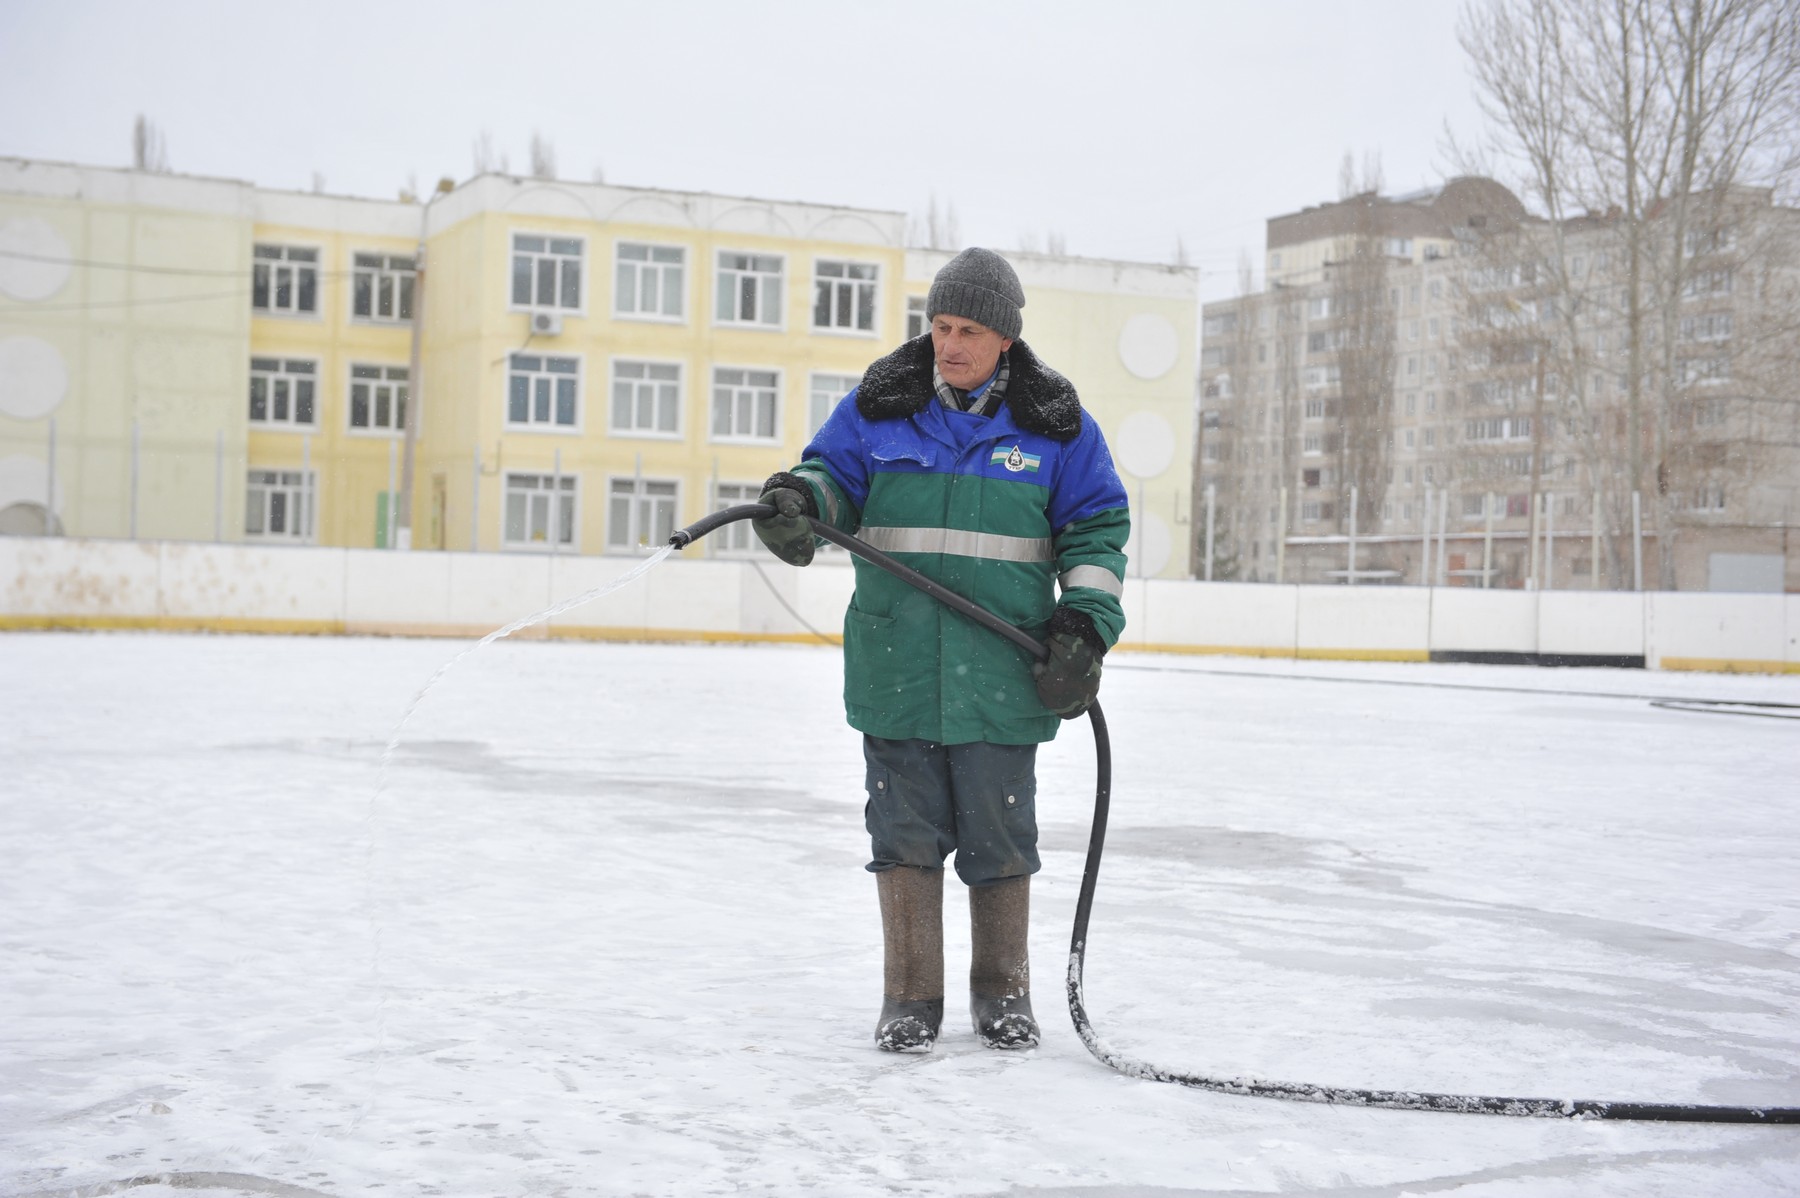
[(1149, 345), (33, 379), (24, 480), (1147, 552), (34, 259), (1144, 445)]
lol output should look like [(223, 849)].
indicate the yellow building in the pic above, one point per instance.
[(597, 365)]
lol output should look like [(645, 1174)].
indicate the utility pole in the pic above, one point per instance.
[(415, 394)]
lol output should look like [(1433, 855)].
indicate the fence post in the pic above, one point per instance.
[(1281, 540), (1425, 544), (1209, 530), (134, 477), (475, 503), (1549, 542), (1637, 541)]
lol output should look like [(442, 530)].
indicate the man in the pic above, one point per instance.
[(968, 459)]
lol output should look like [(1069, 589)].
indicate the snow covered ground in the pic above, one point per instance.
[(606, 929)]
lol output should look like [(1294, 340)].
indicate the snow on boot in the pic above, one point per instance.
[(1004, 1022), (1000, 964), (909, 1026), (912, 936)]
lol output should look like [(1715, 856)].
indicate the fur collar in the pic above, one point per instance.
[(1041, 400)]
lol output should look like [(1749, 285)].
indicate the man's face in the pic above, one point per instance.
[(966, 352)]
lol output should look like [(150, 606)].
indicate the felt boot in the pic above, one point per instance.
[(1000, 965), (912, 934)]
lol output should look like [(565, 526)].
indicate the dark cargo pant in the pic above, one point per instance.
[(928, 800)]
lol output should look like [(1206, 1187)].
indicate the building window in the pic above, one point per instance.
[(1312, 443), (1474, 505), (646, 397), (823, 394), (749, 289), (382, 286), (1702, 370), (542, 391), (916, 324), (745, 403), (378, 398), (844, 296), (734, 540), (1706, 282), (1309, 478), (1715, 326), (546, 272), (540, 511), (278, 505), (640, 513), (282, 391), (284, 279), (650, 281)]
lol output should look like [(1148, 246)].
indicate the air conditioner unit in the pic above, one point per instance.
[(546, 324)]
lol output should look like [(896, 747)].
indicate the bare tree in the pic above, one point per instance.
[(148, 150), (543, 157), (488, 160), (1363, 335), (1634, 127)]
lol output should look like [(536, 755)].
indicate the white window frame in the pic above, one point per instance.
[(741, 392), (638, 268), (818, 406), (531, 303), (274, 266), (634, 490), (282, 371), (518, 365), (734, 540), (299, 490), (402, 283), (917, 325), (775, 296), (856, 287), (613, 380), (398, 387), (562, 521)]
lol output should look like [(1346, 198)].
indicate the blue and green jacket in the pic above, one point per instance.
[(1002, 509)]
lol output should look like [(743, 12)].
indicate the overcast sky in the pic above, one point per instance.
[(1119, 124)]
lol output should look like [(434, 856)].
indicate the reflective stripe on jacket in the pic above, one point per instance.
[(999, 509)]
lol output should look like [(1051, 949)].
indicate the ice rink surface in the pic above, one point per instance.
[(606, 930)]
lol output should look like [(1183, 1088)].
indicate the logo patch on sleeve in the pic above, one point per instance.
[(1015, 459)]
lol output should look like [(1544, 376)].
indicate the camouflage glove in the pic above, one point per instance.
[(787, 533), (1069, 679)]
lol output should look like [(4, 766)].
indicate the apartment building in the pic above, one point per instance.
[(579, 368), (1437, 387)]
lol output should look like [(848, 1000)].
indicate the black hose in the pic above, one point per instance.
[(1403, 1100)]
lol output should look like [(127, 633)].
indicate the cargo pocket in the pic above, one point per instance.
[(879, 784), (1018, 809)]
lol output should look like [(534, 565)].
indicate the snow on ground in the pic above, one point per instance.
[(606, 929)]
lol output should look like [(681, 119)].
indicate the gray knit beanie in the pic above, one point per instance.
[(978, 285)]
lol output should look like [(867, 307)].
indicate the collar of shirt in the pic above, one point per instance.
[(978, 400)]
